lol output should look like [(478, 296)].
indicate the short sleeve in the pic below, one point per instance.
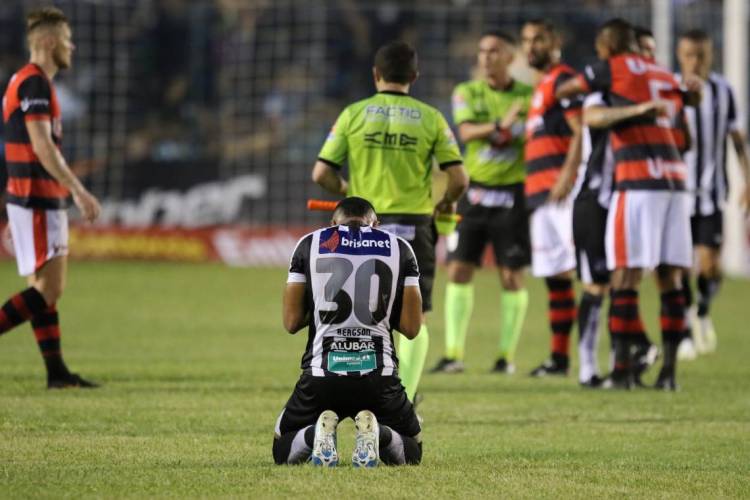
[(34, 96), (598, 76), (463, 111), (594, 99), (409, 266), (446, 149), (336, 146), (572, 106), (300, 261)]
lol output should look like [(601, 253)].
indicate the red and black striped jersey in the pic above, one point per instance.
[(31, 96), (646, 149), (548, 134)]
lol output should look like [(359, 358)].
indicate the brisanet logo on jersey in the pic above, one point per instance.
[(334, 240)]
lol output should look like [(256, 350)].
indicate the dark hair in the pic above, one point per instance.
[(640, 32), (621, 35), (695, 35), (46, 16), (546, 25), (397, 62), (353, 207), (502, 35)]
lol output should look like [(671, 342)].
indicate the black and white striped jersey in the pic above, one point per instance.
[(355, 279), (710, 125), (596, 171)]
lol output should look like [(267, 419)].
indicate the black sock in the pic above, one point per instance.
[(670, 358), (397, 449), (687, 292), (626, 329), (294, 447), (21, 307), (707, 288), (562, 315), (672, 327), (46, 326)]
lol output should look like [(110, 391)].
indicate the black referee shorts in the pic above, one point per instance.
[(347, 396), (589, 230), (420, 232), (708, 230), (506, 228)]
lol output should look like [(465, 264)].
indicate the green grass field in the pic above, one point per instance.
[(196, 367)]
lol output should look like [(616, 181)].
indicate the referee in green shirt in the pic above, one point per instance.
[(389, 142), (490, 113)]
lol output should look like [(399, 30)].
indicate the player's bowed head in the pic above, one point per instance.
[(354, 211)]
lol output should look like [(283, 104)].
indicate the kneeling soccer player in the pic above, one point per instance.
[(351, 284)]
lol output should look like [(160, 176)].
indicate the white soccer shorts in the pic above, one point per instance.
[(552, 250), (38, 235), (649, 228)]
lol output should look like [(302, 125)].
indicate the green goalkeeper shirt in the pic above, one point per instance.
[(389, 141), (476, 102)]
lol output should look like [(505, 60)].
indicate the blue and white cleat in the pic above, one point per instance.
[(366, 444), (324, 452)]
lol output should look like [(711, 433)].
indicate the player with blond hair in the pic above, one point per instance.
[(40, 184)]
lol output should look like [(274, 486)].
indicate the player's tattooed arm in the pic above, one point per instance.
[(40, 134), (329, 179), (294, 310)]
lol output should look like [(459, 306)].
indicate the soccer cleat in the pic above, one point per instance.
[(666, 381), (594, 382), (324, 452), (447, 365), (366, 444), (615, 381), (502, 366), (687, 350), (551, 366), (70, 380), (707, 334)]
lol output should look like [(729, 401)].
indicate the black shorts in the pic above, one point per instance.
[(420, 232), (506, 228), (708, 230), (589, 230), (347, 396)]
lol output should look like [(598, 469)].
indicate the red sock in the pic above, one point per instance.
[(625, 324), (672, 316), (21, 307), (562, 313), (47, 332)]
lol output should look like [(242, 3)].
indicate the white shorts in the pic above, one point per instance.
[(38, 236), (552, 250), (649, 228)]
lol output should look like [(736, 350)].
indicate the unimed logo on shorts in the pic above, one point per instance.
[(354, 242)]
